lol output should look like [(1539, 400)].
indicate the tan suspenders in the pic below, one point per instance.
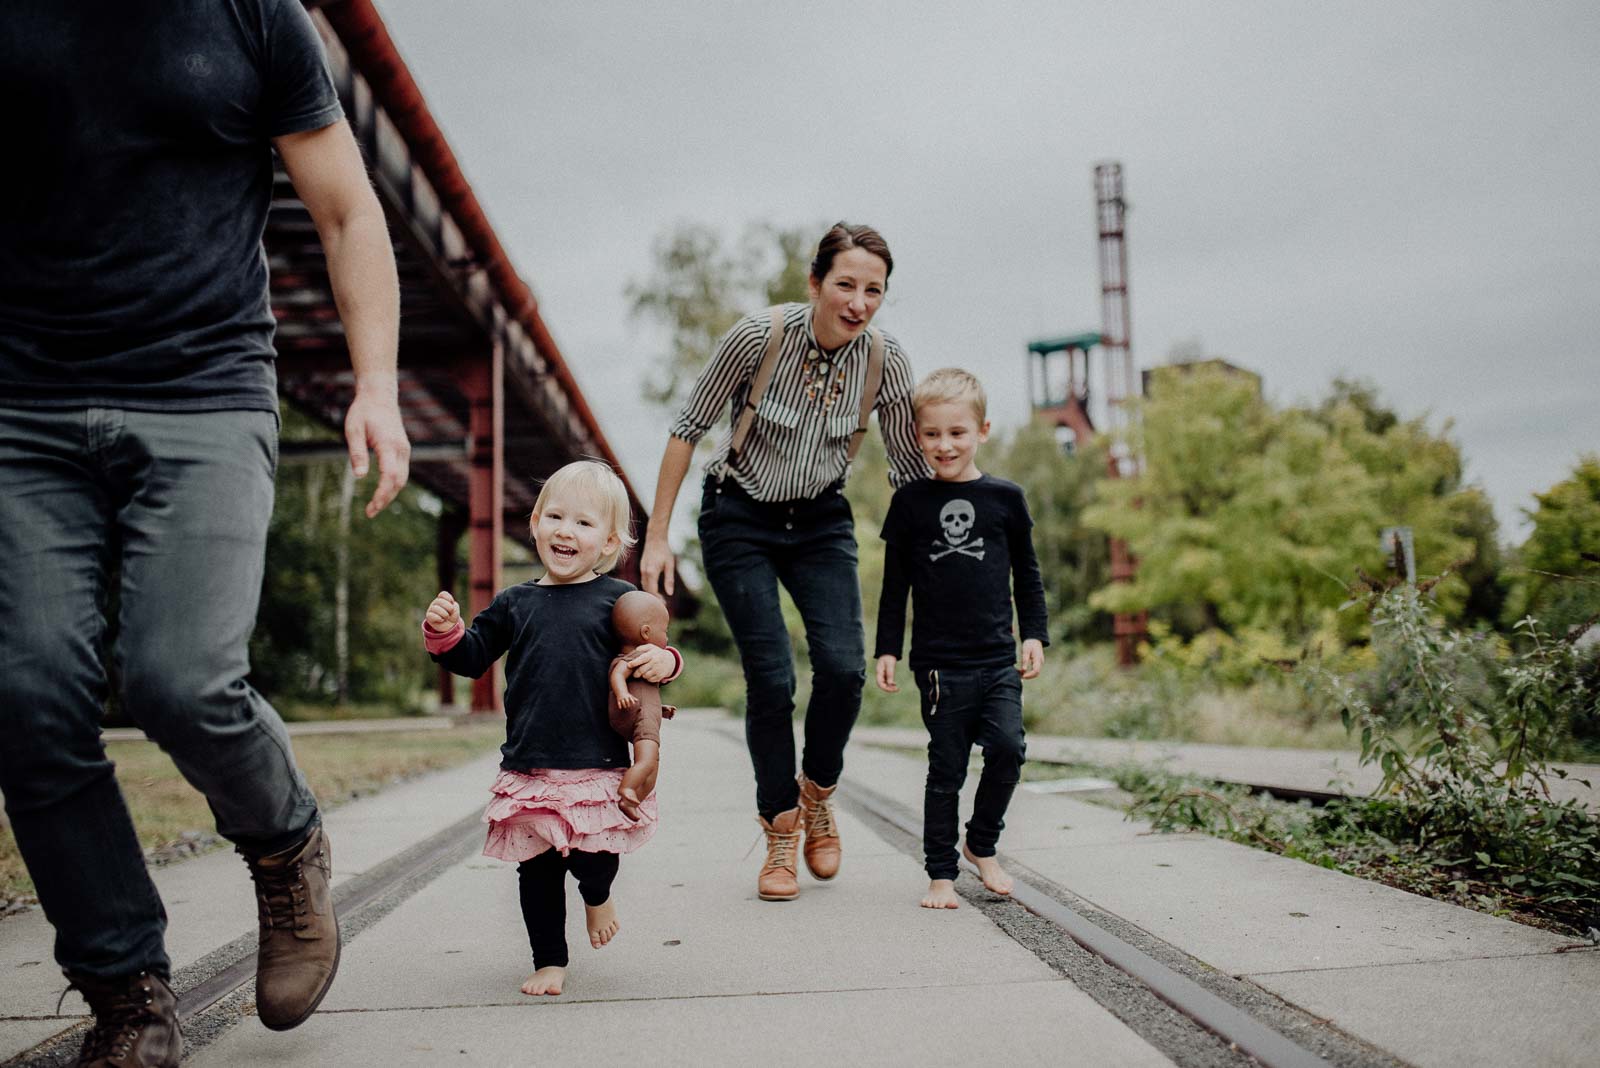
[(769, 364)]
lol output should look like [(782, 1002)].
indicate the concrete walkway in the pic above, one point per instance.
[(703, 973)]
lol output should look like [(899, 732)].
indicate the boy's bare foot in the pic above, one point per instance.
[(941, 895), (602, 922), (994, 877), (545, 981)]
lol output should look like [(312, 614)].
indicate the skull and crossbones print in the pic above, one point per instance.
[(956, 519)]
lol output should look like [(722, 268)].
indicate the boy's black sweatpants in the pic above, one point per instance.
[(542, 882), (962, 707)]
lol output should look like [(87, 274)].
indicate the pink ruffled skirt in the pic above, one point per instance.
[(558, 808)]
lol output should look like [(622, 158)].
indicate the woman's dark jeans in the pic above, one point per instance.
[(962, 708), (181, 501), (810, 547)]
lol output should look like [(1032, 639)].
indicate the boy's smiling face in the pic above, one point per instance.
[(571, 535), (949, 433)]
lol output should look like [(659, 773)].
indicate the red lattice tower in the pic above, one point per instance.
[(1122, 385)]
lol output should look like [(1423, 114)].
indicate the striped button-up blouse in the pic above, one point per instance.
[(797, 444)]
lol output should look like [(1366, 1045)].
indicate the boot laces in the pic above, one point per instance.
[(281, 896), (781, 849), (120, 1013), (818, 814)]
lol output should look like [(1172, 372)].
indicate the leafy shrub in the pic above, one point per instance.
[(1464, 729), (1464, 732)]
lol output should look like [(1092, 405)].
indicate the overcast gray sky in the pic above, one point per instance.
[(1405, 192)]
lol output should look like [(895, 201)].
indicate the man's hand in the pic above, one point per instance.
[(652, 663), (1032, 658), (656, 567), (443, 614), (886, 683), (373, 421)]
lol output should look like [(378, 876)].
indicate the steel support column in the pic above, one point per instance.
[(483, 383)]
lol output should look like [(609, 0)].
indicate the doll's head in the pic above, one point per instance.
[(581, 523), (639, 617)]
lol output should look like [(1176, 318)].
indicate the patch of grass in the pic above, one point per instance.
[(172, 818), (1082, 693), (708, 681), (1040, 771), (306, 711)]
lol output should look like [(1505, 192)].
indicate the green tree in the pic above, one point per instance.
[(701, 286), (1074, 559), (1418, 483), (1248, 520), (294, 649), (1560, 582)]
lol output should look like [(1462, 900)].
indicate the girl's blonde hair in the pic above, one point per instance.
[(597, 485)]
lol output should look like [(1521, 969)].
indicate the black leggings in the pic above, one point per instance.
[(542, 883)]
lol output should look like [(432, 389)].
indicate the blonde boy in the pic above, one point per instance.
[(960, 543)]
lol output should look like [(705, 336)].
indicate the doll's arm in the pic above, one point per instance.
[(620, 670)]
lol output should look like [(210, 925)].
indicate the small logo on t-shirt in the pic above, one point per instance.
[(197, 64), (956, 519)]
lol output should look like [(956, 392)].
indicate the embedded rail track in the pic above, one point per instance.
[(215, 991), (1247, 1022)]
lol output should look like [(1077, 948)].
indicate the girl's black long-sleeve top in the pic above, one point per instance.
[(558, 644)]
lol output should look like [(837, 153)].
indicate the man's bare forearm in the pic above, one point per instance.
[(366, 289)]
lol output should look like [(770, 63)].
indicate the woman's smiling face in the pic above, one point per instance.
[(847, 299)]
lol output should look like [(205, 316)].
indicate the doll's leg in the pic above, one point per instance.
[(640, 780), (595, 872), (542, 888)]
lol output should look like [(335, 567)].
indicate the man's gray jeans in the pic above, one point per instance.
[(178, 503)]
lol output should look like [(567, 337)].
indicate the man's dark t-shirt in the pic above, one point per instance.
[(135, 192), (958, 547)]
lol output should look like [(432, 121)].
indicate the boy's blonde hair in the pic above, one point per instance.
[(597, 485), (951, 385)]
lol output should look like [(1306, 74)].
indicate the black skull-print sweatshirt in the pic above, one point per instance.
[(962, 549)]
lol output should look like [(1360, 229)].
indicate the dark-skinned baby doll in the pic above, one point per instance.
[(635, 706)]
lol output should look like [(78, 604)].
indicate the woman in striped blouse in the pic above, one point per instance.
[(773, 510)]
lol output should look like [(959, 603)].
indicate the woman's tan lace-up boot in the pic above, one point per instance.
[(779, 880), (822, 836)]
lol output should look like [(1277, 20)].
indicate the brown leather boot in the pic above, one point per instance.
[(299, 949), (778, 880), (822, 836), (135, 1022)]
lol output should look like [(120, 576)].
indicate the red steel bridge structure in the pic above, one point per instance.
[(489, 402)]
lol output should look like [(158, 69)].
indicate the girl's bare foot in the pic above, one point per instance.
[(941, 895), (994, 877), (602, 922), (545, 981)]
